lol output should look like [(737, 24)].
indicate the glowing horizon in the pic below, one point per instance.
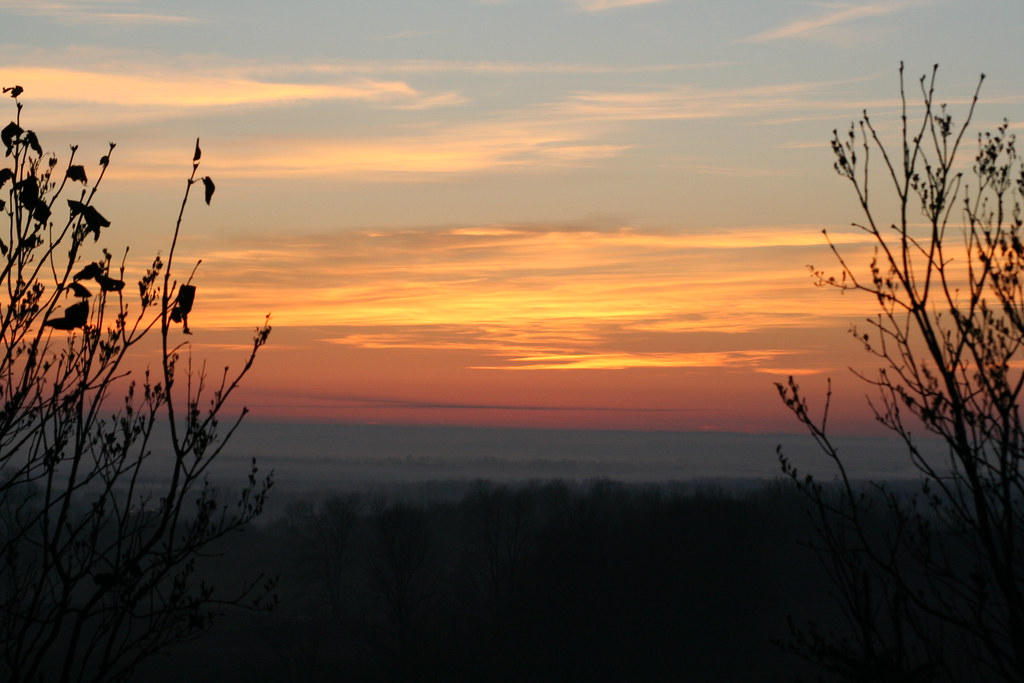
[(570, 213)]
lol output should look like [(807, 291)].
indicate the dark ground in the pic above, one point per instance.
[(535, 581)]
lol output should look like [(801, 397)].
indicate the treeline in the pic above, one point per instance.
[(529, 582)]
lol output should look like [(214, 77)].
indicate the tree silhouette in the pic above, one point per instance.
[(931, 583), (98, 565), (323, 535)]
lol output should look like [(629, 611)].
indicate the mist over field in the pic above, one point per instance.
[(312, 456)]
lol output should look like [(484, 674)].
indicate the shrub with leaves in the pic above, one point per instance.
[(98, 564), (931, 584)]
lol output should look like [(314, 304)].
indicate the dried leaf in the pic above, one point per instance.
[(186, 297), (90, 272), (94, 220), (76, 173), (28, 192), (5, 175), (109, 284), (198, 153), (209, 186), (32, 141), (61, 323), (77, 314), (41, 212), (74, 316), (7, 135)]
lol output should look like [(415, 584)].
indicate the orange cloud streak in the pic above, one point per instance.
[(532, 298), (178, 90)]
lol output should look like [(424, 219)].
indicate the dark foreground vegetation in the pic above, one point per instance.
[(549, 581), (104, 564)]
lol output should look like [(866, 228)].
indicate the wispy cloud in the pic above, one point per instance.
[(494, 67), (578, 129), (431, 156), (834, 15), (404, 35), (602, 5), (621, 361), (693, 102), (93, 11), (529, 297), (171, 89), (559, 130)]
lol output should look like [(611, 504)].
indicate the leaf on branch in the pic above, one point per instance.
[(77, 173), (77, 314), (109, 284), (186, 297), (15, 90), (209, 187), (104, 160), (198, 153), (183, 306), (81, 291), (94, 220), (7, 135), (90, 272), (32, 141), (28, 192), (41, 212), (5, 175), (61, 323), (74, 316)]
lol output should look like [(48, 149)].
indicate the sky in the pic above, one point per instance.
[(580, 214)]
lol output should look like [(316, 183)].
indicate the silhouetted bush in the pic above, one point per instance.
[(99, 563), (931, 584)]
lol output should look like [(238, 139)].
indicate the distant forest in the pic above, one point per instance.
[(540, 581)]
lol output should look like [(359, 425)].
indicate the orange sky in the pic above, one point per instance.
[(567, 213)]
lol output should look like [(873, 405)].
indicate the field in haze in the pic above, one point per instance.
[(310, 456)]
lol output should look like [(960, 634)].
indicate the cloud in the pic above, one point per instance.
[(390, 402), (431, 155), (602, 5), (834, 16), (622, 361), (534, 297), (693, 102), (404, 35), (581, 129), (181, 90), (92, 11), (492, 67)]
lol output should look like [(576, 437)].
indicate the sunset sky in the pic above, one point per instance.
[(547, 213)]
